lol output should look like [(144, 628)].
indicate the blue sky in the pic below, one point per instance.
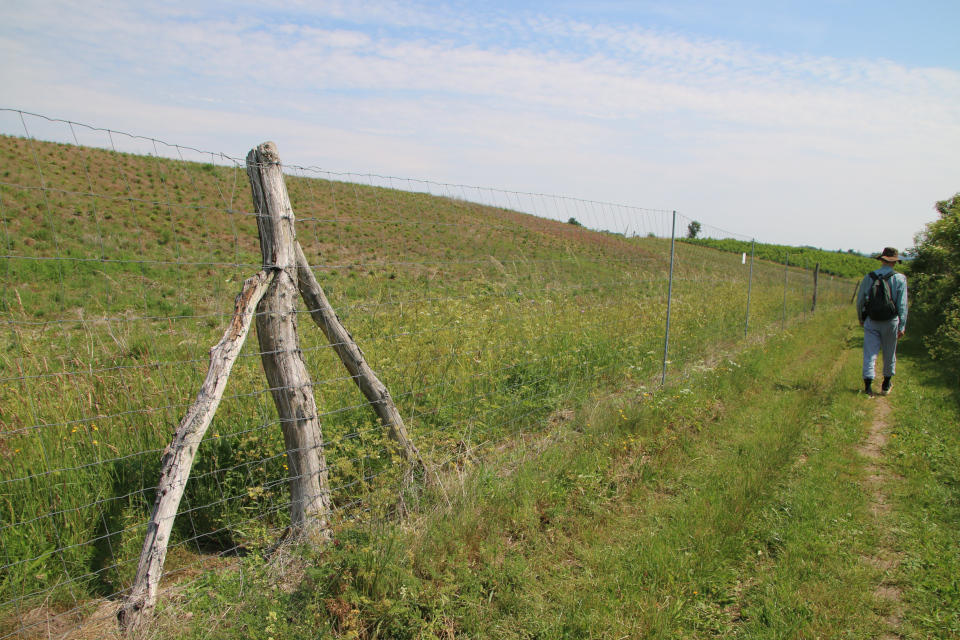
[(833, 123)]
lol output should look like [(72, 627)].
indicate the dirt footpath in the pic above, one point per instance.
[(885, 557)]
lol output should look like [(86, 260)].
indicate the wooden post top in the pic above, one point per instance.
[(275, 218)]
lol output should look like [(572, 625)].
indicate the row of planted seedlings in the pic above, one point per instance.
[(85, 436), (474, 350)]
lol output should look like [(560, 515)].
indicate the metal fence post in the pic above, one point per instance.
[(666, 335), (746, 325), (786, 272), (804, 305), (816, 287)]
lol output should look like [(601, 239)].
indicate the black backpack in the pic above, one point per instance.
[(880, 304)]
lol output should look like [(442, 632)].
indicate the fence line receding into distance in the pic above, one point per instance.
[(485, 316)]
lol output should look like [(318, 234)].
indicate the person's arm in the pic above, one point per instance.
[(862, 297), (902, 306)]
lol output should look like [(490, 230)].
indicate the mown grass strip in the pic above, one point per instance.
[(924, 450)]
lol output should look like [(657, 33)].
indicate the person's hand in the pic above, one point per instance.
[(900, 334)]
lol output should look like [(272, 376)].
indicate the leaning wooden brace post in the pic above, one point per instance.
[(139, 603), (283, 363), (816, 281), (350, 354)]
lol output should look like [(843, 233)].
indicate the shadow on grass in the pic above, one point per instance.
[(934, 373), (911, 348), (796, 386), (129, 486), (855, 342)]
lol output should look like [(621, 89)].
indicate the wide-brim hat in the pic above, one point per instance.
[(889, 254)]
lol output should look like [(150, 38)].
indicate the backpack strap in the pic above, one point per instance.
[(889, 275), (874, 276)]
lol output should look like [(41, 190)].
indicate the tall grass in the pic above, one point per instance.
[(923, 449), (485, 323), (724, 507)]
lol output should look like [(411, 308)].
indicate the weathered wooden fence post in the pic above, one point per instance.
[(273, 292), (283, 363), (816, 282), (177, 461), (327, 320)]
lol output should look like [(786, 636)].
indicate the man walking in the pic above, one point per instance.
[(882, 310)]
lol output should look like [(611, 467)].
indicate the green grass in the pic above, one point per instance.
[(924, 450), (731, 505), (486, 324)]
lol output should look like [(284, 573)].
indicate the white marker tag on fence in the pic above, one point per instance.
[(744, 259)]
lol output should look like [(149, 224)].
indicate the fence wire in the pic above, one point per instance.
[(490, 315)]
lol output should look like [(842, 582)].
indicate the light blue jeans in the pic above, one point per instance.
[(880, 335)]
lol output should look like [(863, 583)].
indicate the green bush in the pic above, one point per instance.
[(935, 283)]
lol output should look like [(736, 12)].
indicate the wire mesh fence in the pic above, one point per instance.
[(490, 315)]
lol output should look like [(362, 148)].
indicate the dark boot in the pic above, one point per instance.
[(868, 386), (886, 387)]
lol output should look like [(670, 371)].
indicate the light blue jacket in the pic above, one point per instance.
[(898, 287)]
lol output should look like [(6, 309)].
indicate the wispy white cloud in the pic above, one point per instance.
[(546, 103)]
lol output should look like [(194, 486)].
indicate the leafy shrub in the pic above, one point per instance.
[(935, 283)]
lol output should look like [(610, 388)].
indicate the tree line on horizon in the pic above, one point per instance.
[(844, 265)]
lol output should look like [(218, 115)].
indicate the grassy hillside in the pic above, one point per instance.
[(844, 265), (119, 271)]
